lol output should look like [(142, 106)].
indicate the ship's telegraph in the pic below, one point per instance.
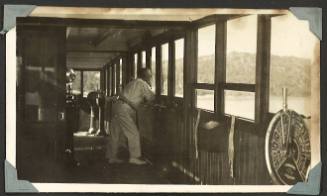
[(96, 101), (287, 146)]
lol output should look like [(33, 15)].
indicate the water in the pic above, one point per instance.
[(243, 106)]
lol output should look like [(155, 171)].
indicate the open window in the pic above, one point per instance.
[(241, 49), (91, 82), (204, 87), (109, 81), (114, 80), (120, 73), (164, 68), (76, 87), (206, 54), (143, 64), (179, 67), (118, 77), (135, 65), (153, 68), (205, 99), (240, 103), (292, 46)]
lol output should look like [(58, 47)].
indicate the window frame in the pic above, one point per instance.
[(168, 71), (200, 85), (261, 86), (174, 67), (156, 42)]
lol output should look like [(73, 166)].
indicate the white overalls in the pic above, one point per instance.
[(123, 122)]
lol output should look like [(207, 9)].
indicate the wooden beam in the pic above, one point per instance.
[(82, 82), (139, 62), (88, 69), (160, 39), (204, 86), (171, 69), (85, 65), (101, 23), (213, 19), (189, 79), (220, 67), (102, 80), (158, 70), (96, 51), (239, 87), (112, 47), (148, 58), (262, 68)]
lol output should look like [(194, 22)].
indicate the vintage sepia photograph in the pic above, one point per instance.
[(153, 96)]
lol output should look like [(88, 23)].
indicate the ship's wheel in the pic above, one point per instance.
[(287, 147)]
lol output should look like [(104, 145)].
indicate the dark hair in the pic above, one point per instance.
[(141, 73)]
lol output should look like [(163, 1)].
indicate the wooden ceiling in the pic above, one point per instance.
[(94, 47)]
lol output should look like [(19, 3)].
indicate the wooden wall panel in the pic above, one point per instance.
[(175, 149)]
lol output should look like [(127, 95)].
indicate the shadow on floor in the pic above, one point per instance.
[(124, 173)]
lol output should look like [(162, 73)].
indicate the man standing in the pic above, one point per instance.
[(123, 122)]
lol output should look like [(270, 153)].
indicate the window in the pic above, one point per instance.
[(118, 79), (241, 50), (240, 103), (109, 80), (205, 99), (179, 67), (206, 54), (292, 55), (91, 82), (153, 68), (76, 87), (143, 59), (164, 64), (121, 72), (114, 79), (135, 65)]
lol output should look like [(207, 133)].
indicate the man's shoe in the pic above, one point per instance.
[(137, 161), (115, 160)]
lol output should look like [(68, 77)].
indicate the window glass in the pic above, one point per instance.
[(109, 80), (240, 103), (153, 68), (292, 56), (114, 79), (118, 79), (143, 59), (91, 82), (205, 99), (76, 87), (179, 67), (121, 72), (135, 65), (164, 73), (241, 50), (206, 54)]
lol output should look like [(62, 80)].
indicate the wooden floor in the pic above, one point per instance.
[(93, 167), (124, 173)]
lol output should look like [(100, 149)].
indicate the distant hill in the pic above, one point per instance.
[(286, 71)]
